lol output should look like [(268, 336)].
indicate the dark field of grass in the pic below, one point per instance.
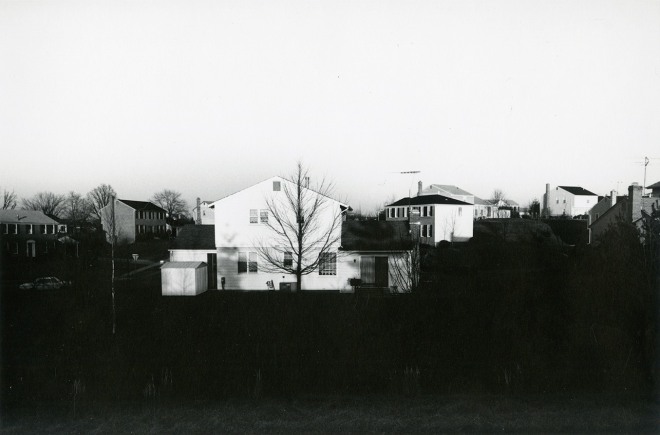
[(347, 414)]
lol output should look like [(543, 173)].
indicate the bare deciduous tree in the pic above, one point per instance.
[(498, 195), (406, 268), (171, 202), (50, 203), (99, 197), (76, 208), (9, 201), (305, 225)]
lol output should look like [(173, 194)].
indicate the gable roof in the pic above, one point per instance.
[(375, 236), (195, 237), (453, 190), (654, 186), (141, 205), (577, 190), (34, 217), (282, 180), (426, 200)]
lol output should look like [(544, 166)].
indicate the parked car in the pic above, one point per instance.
[(45, 283)]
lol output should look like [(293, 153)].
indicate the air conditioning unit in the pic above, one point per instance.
[(288, 286)]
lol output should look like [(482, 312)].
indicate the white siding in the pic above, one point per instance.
[(184, 281)]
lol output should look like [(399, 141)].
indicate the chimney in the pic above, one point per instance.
[(634, 211), (613, 198), (546, 200), (419, 187), (198, 219)]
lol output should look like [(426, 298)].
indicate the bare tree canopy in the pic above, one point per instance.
[(76, 208), (171, 202), (305, 225), (99, 197), (50, 203), (8, 200), (498, 195)]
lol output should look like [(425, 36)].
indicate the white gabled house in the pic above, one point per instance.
[(242, 233)]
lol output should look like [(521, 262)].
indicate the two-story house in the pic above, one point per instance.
[(29, 233), (567, 201), (438, 217), (133, 219), (626, 209)]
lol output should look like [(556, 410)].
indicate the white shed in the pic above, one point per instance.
[(184, 278)]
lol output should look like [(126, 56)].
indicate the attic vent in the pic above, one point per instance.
[(276, 186)]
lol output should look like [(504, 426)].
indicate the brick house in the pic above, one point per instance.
[(29, 233)]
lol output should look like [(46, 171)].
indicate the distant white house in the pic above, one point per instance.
[(448, 190), (203, 213), (567, 201), (438, 217)]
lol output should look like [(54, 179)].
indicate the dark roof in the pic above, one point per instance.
[(427, 199), (195, 237), (375, 236), (654, 186), (577, 190), (141, 205)]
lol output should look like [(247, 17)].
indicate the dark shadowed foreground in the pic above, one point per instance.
[(335, 414)]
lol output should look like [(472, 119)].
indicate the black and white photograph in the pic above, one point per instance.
[(311, 216)]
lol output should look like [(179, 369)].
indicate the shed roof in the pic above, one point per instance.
[(577, 190), (195, 237), (35, 217), (183, 265), (375, 236), (427, 199)]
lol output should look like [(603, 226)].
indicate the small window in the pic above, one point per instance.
[(430, 210), (557, 201), (423, 231), (12, 229), (430, 230), (288, 259), (460, 211), (263, 216), (276, 186), (254, 216), (29, 229), (328, 263)]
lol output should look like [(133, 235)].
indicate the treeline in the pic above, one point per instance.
[(495, 317)]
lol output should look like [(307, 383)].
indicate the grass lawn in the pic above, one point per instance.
[(342, 414)]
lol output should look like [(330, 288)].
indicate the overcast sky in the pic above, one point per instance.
[(209, 97)]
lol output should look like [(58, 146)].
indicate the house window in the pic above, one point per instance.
[(276, 186), (427, 230), (254, 216), (564, 200), (263, 216), (29, 229), (391, 211), (328, 263), (460, 211), (557, 201), (11, 229), (288, 259), (62, 228), (247, 262)]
